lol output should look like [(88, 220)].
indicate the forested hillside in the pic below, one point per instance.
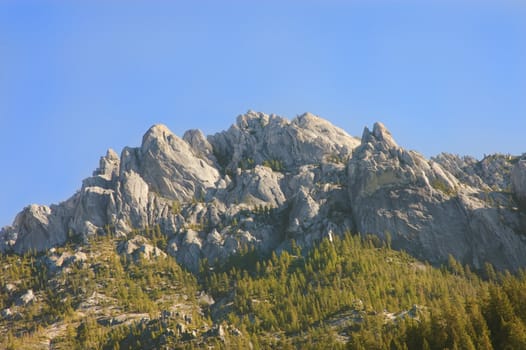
[(242, 239), (351, 292)]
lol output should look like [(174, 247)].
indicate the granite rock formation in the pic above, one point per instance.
[(267, 180)]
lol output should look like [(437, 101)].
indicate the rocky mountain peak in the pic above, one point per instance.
[(380, 134), (200, 145), (112, 155), (197, 140), (430, 211), (307, 119), (108, 165), (267, 180), (156, 132), (257, 138), (160, 139), (252, 121)]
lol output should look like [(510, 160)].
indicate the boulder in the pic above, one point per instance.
[(26, 298), (139, 246)]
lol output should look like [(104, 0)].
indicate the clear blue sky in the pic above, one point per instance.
[(78, 77)]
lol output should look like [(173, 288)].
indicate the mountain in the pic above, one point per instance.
[(273, 234), (267, 182)]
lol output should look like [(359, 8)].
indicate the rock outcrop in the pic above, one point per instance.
[(267, 180), (257, 138), (138, 247), (426, 210), (518, 182)]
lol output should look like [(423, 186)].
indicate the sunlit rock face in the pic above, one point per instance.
[(427, 210), (267, 181)]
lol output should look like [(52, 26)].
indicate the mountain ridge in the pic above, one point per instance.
[(267, 180)]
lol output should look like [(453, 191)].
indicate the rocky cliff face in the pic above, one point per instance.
[(267, 180), (430, 212)]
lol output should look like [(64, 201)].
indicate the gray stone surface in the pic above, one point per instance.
[(518, 181), (138, 247), (267, 180), (426, 210), (259, 137)]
